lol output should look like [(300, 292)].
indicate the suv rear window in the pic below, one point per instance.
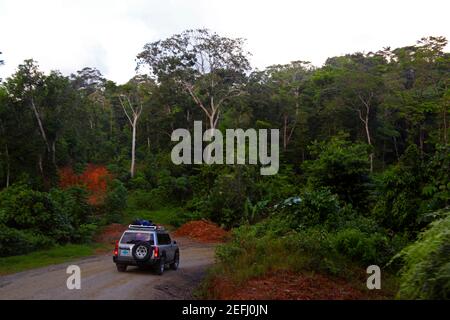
[(132, 237)]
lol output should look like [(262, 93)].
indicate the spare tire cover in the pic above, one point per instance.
[(142, 251)]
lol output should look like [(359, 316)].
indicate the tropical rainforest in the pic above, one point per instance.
[(364, 174)]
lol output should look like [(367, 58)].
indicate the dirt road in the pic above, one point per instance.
[(100, 279)]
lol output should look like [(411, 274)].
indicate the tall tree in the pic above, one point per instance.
[(27, 85), (360, 85), (286, 83), (132, 98), (211, 68)]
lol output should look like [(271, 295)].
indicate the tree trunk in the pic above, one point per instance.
[(365, 121), (133, 118), (54, 152), (396, 148), (211, 122), (133, 147), (7, 165), (41, 127), (285, 133), (445, 127), (421, 142), (41, 167), (369, 140)]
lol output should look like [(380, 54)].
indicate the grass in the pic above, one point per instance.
[(165, 216), (42, 258), (249, 256), (169, 216)]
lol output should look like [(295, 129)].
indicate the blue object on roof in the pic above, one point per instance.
[(142, 222)]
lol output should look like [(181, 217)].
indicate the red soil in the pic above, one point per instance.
[(111, 233), (202, 231), (95, 178), (289, 286)]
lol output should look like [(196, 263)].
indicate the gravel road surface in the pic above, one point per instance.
[(101, 280)]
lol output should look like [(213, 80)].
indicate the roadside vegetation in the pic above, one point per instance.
[(364, 161), (54, 255)]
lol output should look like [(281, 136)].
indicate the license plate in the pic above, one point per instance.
[(125, 252)]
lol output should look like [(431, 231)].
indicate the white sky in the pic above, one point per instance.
[(108, 34)]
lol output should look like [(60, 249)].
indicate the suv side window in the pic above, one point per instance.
[(163, 239)]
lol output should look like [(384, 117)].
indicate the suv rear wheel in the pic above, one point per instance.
[(160, 266), (176, 261), (121, 267)]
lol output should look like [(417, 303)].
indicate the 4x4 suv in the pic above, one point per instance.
[(146, 245)]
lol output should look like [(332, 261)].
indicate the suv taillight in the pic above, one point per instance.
[(156, 252), (116, 249)]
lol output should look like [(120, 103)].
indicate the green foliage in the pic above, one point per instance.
[(314, 207), (74, 203), (375, 179), (220, 195), (32, 219), (436, 190), (426, 263), (361, 246), (116, 201), (55, 255), (399, 193), (22, 208), (341, 166), (144, 200), (17, 242)]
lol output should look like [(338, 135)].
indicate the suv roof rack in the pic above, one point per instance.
[(141, 227)]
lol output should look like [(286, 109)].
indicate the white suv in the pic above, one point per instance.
[(146, 246)]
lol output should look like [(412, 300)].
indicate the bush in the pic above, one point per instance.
[(15, 242), (398, 196), (315, 207), (426, 263), (116, 201), (141, 199), (31, 219), (85, 232), (271, 246), (182, 217), (36, 211), (224, 202), (72, 207), (360, 246), (341, 166)]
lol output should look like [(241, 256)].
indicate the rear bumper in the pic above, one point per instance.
[(133, 262)]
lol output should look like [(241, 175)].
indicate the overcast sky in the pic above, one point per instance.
[(107, 34)]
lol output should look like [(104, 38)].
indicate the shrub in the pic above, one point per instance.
[(225, 202), (72, 202), (142, 199), (115, 201), (361, 246), (426, 263), (33, 219), (341, 166), (15, 242), (85, 232), (23, 208), (181, 217), (398, 199), (315, 207)]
